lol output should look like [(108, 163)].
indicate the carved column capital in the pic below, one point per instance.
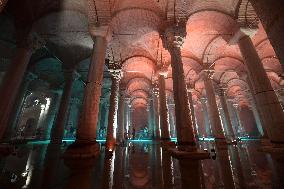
[(174, 36)]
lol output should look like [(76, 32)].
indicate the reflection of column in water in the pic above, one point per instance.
[(166, 168), (108, 171), (34, 165), (225, 165), (277, 166), (237, 166), (51, 167), (190, 173), (118, 168), (81, 173), (248, 167), (208, 175)]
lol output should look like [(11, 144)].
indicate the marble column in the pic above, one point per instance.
[(121, 115), (12, 80), (148, 109), (215, 121), (227, 119), (205, 116), (266, 99), (85, 143), (164, 114), (3, 4), (57, 131), (112, 115), (152, 118), (174, 38)]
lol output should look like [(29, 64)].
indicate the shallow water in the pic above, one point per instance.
[(142, 165)]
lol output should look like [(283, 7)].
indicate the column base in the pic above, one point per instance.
[(183, 151), (82, 150)]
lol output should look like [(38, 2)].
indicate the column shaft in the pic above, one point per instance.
[(57, 131), (112, 115), (266, 99), (121, 120), (215, 121), (10, 85), (185, 133), (227, 118), (164, 121), (89, 116)]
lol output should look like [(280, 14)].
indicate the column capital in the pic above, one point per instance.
[(116, 73), (101, 31), (174, 36)]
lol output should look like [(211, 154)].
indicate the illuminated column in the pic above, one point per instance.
[(152, 118), (127, 112), (2, 4), (86, 131), (58, 128), (227, 119), (266, 99), (156, 111), (205, 116), (12, 80), (18, 105), (121, 116), (73, 111), (49, 120), (164, 121), (174, 38), (215, 121), (172, 119), (191, 105), (148, 109), (256, 111), (112, 115), (237, 113)]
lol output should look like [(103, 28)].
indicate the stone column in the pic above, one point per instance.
[(266, 99), (156, 111), (12, 79), (256, 112), (2, 4), (49, 120), (148, 109), (85, 143), (164, 114), (239, 129), (191, 106), (127, 112), (121, 113), (185, 134), (172, 119), (152, 118), (57, 131), (205, 116), (227, 119), (271, 14), (112, 115), (215, 121), (19, 103)]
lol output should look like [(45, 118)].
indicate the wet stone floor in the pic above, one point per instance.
[(141, 164)]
